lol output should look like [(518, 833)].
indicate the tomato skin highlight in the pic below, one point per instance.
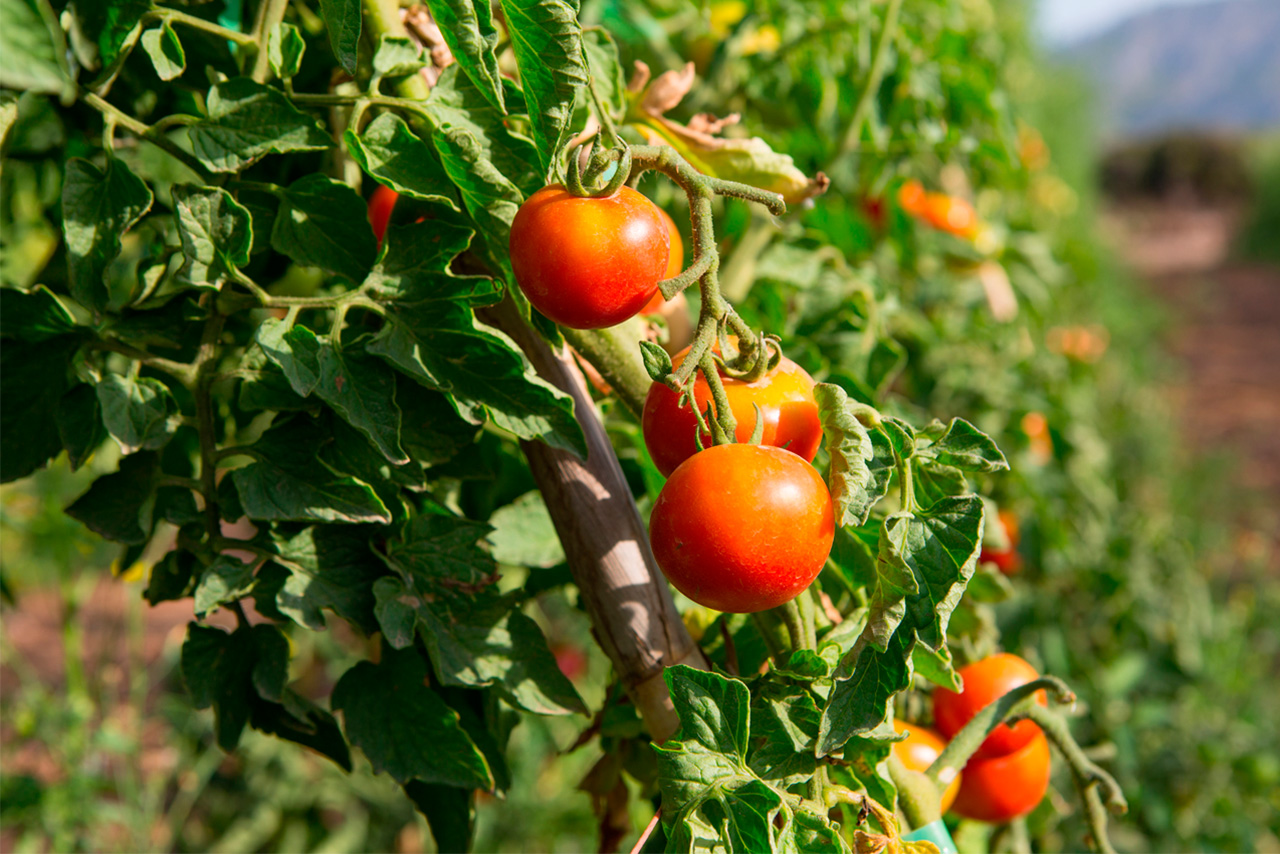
[(985, 681), (675, 263), (1003, 788), (919, 751), (785, 398), (742, 528), (381, 204), (588, 263)]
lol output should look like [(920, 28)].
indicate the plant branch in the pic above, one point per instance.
[(180, 371), (173, 16), (270, 14), (205, 362), (146, 132)]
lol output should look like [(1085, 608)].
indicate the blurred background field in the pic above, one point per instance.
[(1172, 213)]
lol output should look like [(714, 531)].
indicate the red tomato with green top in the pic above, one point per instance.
[(984, 682), (742, 528), (785, 398), (588, 263)]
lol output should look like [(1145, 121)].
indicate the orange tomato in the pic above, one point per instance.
[(919, 751)]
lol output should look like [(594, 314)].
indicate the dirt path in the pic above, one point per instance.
[(1227, 334)]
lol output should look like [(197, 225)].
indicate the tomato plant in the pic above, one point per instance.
[(742, 528), (785, 399), (919, 751), (1005, 787), (381, 204), (589, 262), (985, 681)]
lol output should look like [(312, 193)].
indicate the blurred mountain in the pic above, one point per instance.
[(1211, 66)]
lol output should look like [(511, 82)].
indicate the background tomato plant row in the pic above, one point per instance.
[(1114, 593)]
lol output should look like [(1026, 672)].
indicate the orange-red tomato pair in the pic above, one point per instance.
[(1009, 774), (945, 213)]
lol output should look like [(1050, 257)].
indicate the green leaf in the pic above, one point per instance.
[(295, 349), (431, 430), (33, 377), (450, 812), (863, 691), (28, 58), (285, 47), (934, 482), (494, 381), (301, 721), (784, 725), (814, 834), (227, 579), (80, 427), (34, 315), (868, 763), (894, 581), (231, 671), (287, 484), (445, 592), (901, 435), (403, 727), (98, 206), (968, 448), (524, 535), (739, 818), (315, 227), (139, 412), (110, 25), (329, 567), (342, 17), (216, 233), (389, 151), (396, 56), (173, 576), (414, 267), (715, 713), (547, 41), (119, 506), (468, 29), (601, 52), (167, 56), (850, 448), (362, 390), (247, 121), (936, 666)]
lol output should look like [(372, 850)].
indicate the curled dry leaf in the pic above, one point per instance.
[(748, 160)]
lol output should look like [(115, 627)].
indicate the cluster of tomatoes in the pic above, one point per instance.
[(737, 527), (1009, 774)]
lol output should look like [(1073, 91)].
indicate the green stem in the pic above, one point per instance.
[(919, 798), (808, 619), (146, 132), (181, 371), (1017, 703), (795, 624), (614, 354), (173, 16), (270, 14), (872, 85), (769, 641), (206, 361)]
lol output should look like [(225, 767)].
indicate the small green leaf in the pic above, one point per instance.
[(714, 710), (389, 151), (139, 412), (98, 206), (173, 576), (247, 121), (110, 25), (162, 45), (784, 724), (119, 506), (547, 41), (404, 728), (342, 17), (601, 52), (468, 29), (397, 55), (34, 315), (80, 427), (936, 666), (232, 671), (285, 48), (849, 445), (450, 812), (863, 691), (362, 389), (330, 567), (301, 721), (657, 362), (315, 227), (295, 349), (216, 232), (33, 377), (28, 58), (227, 579), (815, 834), (902, 437), (286, 483), (966, 447), (524, 535)]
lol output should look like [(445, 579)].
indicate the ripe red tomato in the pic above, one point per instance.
[(1001, 789), (675, 263), (1007, 560), (918, 752), (985, 681), (912, 198), (588, 263), (951, 214), (785, 398), (381, 203), (742, 528)]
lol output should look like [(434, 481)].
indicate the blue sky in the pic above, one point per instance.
[(1062, 21)]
